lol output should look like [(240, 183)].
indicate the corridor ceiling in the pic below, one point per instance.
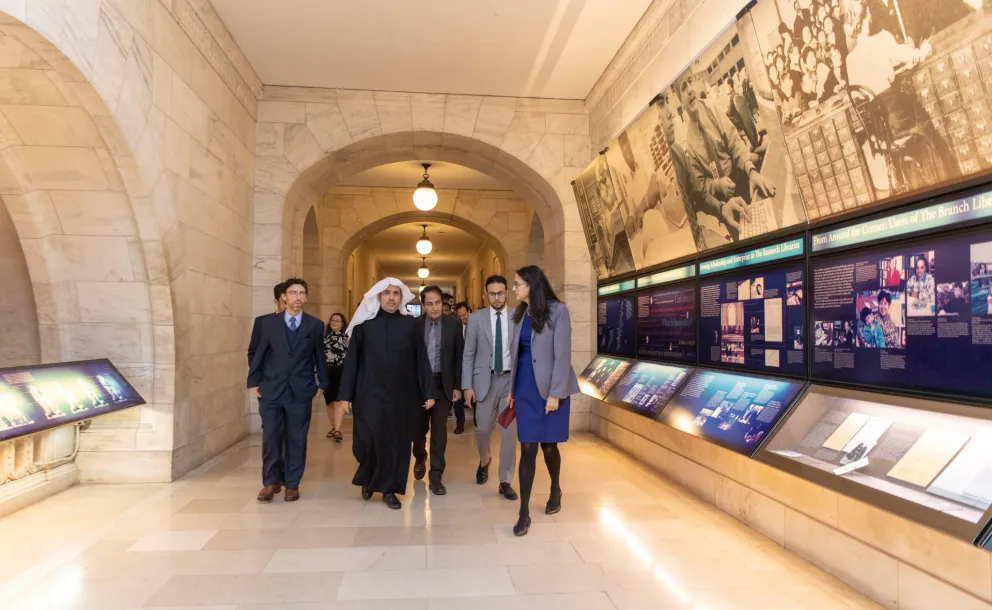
[(406, 174), (523, 48), (395, 251)]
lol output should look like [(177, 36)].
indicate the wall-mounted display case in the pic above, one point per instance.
[(36, 398), (647, 387), (601, 375), (928, 461), (733, 410)]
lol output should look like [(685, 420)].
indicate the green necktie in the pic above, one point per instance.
[(499, 343)]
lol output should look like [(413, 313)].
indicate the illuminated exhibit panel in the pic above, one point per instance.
[(35, 398), (929, 461), (754, 316), (666, 323), (601, 375), (648, 387), (733, 410), (615, 325), (912, 315)]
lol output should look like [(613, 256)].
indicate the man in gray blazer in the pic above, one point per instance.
[(486, 378)]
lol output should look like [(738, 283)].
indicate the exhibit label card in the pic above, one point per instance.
[(928, 456)]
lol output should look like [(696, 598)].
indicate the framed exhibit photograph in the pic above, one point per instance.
[(36, 398), (599, 377), (648, 387), (604, 218), (928, 461), (733, 410)]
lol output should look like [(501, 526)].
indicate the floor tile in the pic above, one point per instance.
[(187, 540), (348, 559), (412, 584), (247, 589)]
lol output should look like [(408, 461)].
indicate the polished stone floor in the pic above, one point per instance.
[(626, 539)]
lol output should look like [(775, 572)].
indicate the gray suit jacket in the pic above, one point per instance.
[(551, 352), (477, 359)]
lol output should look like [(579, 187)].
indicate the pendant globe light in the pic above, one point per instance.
[(423, 273), (425, 197), (424, 245)]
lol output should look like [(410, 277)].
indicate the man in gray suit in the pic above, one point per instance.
[(486, 376)]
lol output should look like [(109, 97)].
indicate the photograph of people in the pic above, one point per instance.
[(981, 279), (728, 149), (952, 300), (890, 318), (846, 338), (857, 80), (823, 334), (794, 292), (732, 333), (891, 272), (871, 331), (604, 217), (644, 178), (920, 286)]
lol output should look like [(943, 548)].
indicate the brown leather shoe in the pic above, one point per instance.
[(268, 492), (292, 495)]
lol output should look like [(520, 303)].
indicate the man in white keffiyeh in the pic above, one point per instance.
[(386, 378)]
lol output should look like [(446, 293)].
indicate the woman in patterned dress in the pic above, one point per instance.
[(335, 349)]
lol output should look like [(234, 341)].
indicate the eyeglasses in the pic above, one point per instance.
[(517, 284), (496, 295), (297, 293)]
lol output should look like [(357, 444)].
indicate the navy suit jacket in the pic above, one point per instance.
[(256, 334), (277, 366)]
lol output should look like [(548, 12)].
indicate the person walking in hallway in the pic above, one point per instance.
[(279, 296), (385, 383), (486, 377), (335, 349), (443, 338), (290, 353), (462, 312), (543, 383)]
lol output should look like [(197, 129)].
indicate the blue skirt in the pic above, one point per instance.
[(533, 425)]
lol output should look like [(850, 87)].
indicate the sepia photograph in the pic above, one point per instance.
[(878, 97), (644, 178), (726, 143), (604, 216)]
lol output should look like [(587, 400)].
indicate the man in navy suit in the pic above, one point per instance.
[(290, 353)]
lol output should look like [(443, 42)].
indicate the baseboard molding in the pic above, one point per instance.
[(34, 488)]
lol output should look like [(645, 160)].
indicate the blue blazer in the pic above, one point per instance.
[(551, 351), (276, 366)]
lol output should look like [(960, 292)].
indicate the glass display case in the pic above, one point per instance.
[(36, 398), (601, 375), (734, 410), (648, 387), (928, 461)]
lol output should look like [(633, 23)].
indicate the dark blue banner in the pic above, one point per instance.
[(616, 325)]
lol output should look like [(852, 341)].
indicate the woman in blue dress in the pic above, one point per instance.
[(543, 382)]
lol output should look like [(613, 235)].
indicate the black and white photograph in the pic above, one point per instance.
[(604, 216), (644, 177), (727, 145), (878, 98)]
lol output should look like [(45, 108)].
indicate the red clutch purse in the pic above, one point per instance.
[(507, 416)]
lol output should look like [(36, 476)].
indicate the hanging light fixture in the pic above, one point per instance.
[(425, 197), (424, 245), (423, 273), (422, 286)]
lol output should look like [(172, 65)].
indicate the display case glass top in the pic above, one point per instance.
[(647, 387), (601, 375)]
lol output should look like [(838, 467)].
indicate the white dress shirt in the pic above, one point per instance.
[(504, 323)]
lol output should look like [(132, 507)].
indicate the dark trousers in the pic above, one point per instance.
[(285, 424), (434, 420), (459, 407)]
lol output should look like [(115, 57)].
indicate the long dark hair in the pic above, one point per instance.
[(541, 296), (344, 323)]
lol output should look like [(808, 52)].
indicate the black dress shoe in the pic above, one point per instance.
[(554, 503), (507, 492), (482, 474), (437, 488), (366, 493), (459, 429), (391, 501), (522, 526), (419, 469)]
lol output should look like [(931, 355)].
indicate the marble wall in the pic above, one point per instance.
[(898, 563), (18, 314), (136, 142), (470, 287)]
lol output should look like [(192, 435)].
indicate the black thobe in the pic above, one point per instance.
[(386, 375)]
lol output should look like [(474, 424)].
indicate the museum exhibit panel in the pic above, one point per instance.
[(615, 321), (41, 397), (666, 315), (599, 377)]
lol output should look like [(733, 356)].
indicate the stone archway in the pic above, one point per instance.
[(94, 255)]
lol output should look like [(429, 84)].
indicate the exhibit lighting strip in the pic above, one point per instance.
[(664, 277), (766, 254), (615, 288), (615, 524), (945, 214)]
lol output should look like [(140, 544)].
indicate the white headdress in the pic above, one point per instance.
[(369, 306)]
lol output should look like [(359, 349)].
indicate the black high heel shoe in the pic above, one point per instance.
[(522, 526), (554, 503)]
